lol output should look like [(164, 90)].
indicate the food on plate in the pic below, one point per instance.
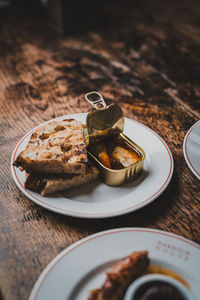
[(124, 157), (128, 269), (47, 184), (56, 147), (100, 152), (118, 157), (55, 159), (120, 276), (115, 153), (58, 150)]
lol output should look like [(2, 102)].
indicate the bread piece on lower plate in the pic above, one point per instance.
[(56, 147), (47, 184)]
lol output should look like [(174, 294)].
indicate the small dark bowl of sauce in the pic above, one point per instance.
[(156, 290), (157, 287)]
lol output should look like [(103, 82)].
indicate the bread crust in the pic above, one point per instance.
[(56, 147), (47, 184)]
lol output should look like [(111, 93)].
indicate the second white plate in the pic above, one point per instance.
[(191, 149), (99, 200), (83, 266)]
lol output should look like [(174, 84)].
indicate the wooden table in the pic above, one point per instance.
[(146, 59)]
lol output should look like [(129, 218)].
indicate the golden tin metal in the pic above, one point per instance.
[(104, 123)]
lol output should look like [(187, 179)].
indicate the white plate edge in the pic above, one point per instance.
[(185, 151)]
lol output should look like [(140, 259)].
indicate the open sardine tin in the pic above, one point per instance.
[(106, 124)]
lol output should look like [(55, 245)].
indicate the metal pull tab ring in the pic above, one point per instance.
[(96, 100)]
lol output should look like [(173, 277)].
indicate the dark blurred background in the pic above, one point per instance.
[(65, 16)]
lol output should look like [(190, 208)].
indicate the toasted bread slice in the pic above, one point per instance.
[(57, 147), (47, 184)]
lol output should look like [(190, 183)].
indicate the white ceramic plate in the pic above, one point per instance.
[(82, 266), (191, 149), (99, 200)]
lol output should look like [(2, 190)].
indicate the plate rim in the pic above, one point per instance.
[(92, 237), (72, 213), (187, 159)]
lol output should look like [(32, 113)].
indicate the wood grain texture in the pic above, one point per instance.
[(146, 59)]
